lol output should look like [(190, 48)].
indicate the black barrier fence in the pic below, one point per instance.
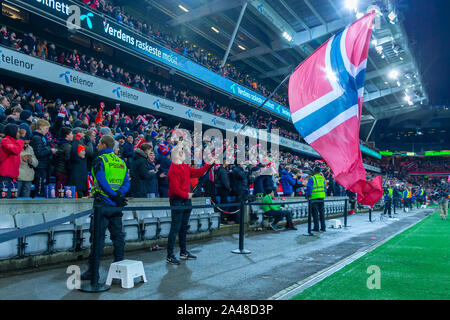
[(97, 211)]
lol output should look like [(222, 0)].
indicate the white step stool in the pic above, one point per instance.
[(126, 271), (335, 223)]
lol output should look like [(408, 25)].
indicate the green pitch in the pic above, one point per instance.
[(413, 265)]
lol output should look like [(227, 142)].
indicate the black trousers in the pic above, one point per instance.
[(40, 180), (179, 225), (318, 212), (111, 220), (279, 215), (387, 207)]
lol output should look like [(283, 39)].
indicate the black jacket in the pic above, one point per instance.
[(222, 179), (239, 180), (141, 175), (164, 163), (61, 159), (78, 169), (42, 150)]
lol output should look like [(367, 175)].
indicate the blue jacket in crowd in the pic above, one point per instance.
[(287, 182)]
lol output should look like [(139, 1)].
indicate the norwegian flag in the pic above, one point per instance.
[(63, 113), (142, 120), (325, 98)]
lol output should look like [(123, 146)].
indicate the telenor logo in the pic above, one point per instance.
[(214, 121), (87, 18), (232, 87), (66, 76), (1, 59), (117, 92), (156, 103), (188, 113)]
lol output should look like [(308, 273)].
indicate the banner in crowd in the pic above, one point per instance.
[(103, 28), (13, 61)]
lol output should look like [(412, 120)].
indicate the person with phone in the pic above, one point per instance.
[(179, 178)]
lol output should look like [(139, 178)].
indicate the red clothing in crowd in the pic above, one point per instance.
[(10, 150), (179, 178)]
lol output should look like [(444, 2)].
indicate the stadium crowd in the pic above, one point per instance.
[(29, 44), (44, 141), (182, 46)]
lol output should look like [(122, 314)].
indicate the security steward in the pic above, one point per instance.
[(111, 183), (388, 196), (407, 199), (316, 191), (420, 197)]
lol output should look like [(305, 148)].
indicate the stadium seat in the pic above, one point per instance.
[(214, 221), (8, 249), (37, 243), (130, 227), (149, 225), (82, 225), (194, 219), (164, 222), (63, 236)]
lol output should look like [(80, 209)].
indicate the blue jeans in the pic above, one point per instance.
[(24, 189), (179, 225)]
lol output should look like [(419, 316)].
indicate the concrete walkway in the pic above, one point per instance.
[(278, 260)]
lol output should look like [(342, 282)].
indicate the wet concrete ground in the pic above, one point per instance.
[(278, 260)]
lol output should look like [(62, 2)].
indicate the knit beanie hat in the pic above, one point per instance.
[(81, 148), (105, 131), (11, 130), (25, 114)]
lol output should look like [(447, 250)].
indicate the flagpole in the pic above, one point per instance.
[(245, 124)]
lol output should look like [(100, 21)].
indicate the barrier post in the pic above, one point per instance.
[(241, 249), (309, 218), (345, 213), (94, 285), (370, 214)]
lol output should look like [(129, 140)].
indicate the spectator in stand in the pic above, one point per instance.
[(82, 149), (10, 148), (163, 159), (4, 105), (26, 170), (288, 182), (128, 150), (222, 183), (43, 151), (62, 158), (152, 184), (141, 171)]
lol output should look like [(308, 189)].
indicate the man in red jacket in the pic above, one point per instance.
[(10, 148), (180, 194)]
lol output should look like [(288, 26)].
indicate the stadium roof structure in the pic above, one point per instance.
[(274, 36)]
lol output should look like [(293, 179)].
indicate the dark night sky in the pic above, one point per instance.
[(427, 23)]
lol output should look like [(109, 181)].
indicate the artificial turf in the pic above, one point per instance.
[(413, 265)]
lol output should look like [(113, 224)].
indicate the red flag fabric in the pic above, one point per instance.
[(325, 98), (99, 117)]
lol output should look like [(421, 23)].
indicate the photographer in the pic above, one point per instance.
[(443, 193)]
